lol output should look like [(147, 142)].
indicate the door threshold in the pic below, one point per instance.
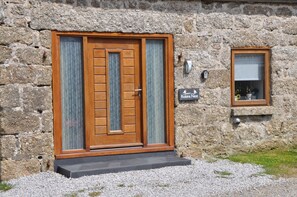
[(111, 146), (117, 151)]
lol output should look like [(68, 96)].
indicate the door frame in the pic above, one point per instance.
[(169, 94)]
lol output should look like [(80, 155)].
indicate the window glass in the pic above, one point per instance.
[(72, 93), (155, 91), (114, 90), (249, 76)]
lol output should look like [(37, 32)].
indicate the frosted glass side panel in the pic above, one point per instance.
[(155, 91), (114, 75), (71, 68)]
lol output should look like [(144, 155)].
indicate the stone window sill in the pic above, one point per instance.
[(252, 111)]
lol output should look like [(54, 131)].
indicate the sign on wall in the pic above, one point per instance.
[(188, 94)]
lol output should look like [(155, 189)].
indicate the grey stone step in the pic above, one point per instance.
[(75, 168)]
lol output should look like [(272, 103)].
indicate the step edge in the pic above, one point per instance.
[(169, 163), (123, 169)]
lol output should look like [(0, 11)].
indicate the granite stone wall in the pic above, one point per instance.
[(203, 32)]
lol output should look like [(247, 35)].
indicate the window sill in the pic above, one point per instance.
[(252, 111)]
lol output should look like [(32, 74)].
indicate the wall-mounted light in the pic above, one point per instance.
[(236, 121), (204, 74), (188, 66)]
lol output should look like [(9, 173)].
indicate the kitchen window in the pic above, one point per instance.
[(250, 75)]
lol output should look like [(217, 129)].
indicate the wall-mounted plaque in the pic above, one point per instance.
[(189, 94)]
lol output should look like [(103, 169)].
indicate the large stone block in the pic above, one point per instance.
[(17, 1), (189, 114), (227, 134), (288, 86), (191, 42), (34, 145), (269, 144), (9, 96), (210, 96), (31, 55), (9, 35), (241, 21), (289, 126), (143, 5), (283, 70), (95, 3), (8, 146), (272, 23), (39, 75), (286, 53), (255, 9), (221, 21), (37, 98), (247, 38), (225, 99), (206, 136), (283, 11), (11, 169), (182, 136), (45, 38), (202, 23), (113, 4), (43, 75), (2, 14), (216, 115), (218, 79), (88, 19), (249, 134), (292, 40), (253, 111), (4, 75), (183, 80), (290, 26), (177, 6), (47, 121), (22, 74), (16, 121), (196, 141), (5, 53)]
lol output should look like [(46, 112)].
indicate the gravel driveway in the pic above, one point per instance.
[(202, 178)]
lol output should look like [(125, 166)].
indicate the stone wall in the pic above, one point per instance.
[(203, 32)]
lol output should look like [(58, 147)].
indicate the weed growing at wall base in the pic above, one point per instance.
[(5, 186)]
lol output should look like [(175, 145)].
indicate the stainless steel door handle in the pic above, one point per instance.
[(139, 91)]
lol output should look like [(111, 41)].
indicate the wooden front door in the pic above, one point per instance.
[(114, 67)]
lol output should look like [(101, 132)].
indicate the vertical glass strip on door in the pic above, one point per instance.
[(155, 91), (114, 75), (71, 68)]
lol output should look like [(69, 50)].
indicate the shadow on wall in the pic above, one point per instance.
[(193, 6)]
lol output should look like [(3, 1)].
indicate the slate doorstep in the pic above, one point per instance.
[(75, 168)]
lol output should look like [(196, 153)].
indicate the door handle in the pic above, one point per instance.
[(139, 91)]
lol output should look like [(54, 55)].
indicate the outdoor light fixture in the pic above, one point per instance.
[(204, 74), (188, 66), (236, 121)]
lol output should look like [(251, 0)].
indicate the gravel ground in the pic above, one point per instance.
[(202, 178)]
